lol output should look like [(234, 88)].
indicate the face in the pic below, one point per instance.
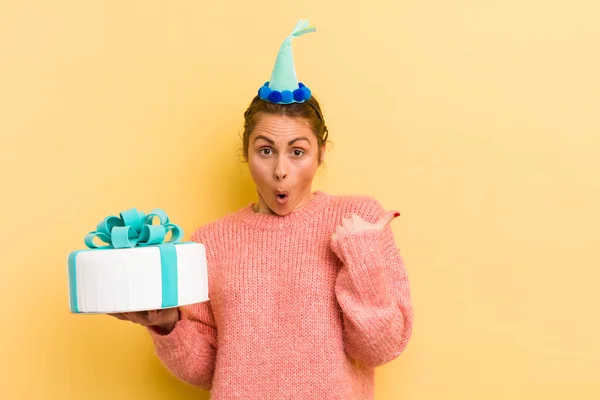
[(283, 157)]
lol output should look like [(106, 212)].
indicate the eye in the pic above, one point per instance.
[(298, 152), (265, 149)]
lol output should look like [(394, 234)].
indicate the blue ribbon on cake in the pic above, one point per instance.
[(132, 229)]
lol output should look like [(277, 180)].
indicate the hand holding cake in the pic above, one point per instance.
[(162, 321)]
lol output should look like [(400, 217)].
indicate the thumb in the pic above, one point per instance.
[(387, 218)]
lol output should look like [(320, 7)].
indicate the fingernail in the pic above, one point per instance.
[(396, 214)]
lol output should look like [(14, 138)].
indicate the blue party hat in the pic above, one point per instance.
[(284, 88)]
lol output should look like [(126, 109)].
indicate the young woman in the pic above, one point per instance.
[(308, 291)]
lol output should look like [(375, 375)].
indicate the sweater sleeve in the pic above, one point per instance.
[(373, 292), (189, 350)]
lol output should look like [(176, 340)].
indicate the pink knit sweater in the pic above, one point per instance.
[(293, 315)]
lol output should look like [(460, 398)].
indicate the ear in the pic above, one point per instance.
[(322, 158)]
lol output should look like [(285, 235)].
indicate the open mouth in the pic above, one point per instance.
[(282, 197)]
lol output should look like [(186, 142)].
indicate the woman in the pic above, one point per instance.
[(308, 290)]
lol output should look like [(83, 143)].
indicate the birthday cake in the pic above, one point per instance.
[(141, 266)]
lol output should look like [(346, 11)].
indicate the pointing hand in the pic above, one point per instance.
[(356, 224)]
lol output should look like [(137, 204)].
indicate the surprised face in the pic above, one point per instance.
[(283, 157)]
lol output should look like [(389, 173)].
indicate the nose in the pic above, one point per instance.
[(280, 169)]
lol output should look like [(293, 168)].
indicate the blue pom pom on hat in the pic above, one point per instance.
[(283, 87)]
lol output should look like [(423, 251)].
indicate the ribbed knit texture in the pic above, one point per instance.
[(293, 315)]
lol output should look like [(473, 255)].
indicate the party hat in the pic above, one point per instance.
[(284, 88)]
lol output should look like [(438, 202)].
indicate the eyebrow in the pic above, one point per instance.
[(291, 142)]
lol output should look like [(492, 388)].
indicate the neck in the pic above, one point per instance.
[(300, 215), (261, 206)]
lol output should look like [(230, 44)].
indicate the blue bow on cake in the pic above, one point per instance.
[(134, 228)]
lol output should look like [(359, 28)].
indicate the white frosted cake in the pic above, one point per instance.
[(137, 270)]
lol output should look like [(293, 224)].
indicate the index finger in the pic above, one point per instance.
[(120, 316)]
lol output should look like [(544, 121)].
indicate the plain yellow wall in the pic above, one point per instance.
[(478, 120)]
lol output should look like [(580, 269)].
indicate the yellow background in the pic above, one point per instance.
[(478, 120)]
